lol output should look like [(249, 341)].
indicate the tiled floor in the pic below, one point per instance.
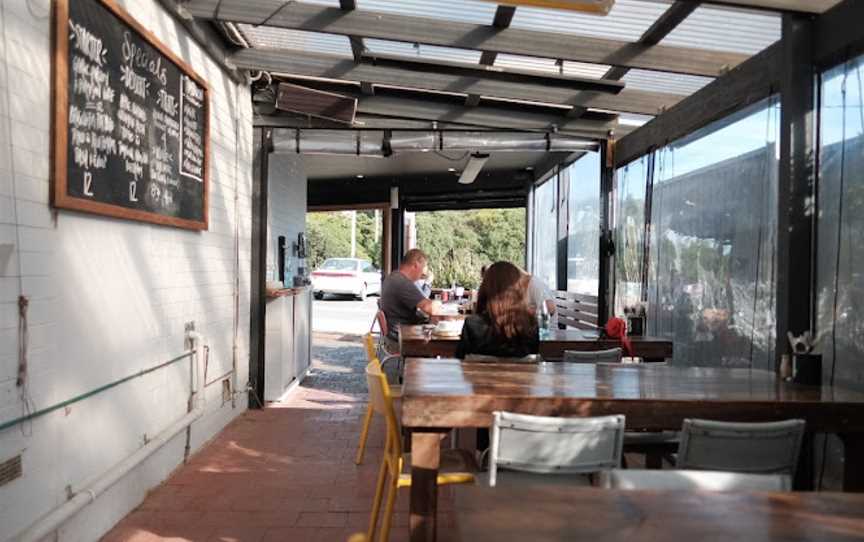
[(285, 473)]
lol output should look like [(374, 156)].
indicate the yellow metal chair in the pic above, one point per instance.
[(395, 392), (390, 475)]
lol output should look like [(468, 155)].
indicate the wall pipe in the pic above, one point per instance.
[(386, 142), (52, 408), (54, 519)]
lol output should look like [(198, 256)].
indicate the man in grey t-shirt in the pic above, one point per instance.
[(400, 297)]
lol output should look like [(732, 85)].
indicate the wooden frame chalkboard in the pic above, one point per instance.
[(130, 120)]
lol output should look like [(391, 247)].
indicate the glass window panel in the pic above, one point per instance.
[(629, 232), (840, 252), (546, 232), (711, 272), (583, 245)]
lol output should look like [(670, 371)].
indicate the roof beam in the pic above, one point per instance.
[(747, 84), (661, 28), (357, 46), (382, 112), (802, 6), (534, 89), (484, 116), (838, 34), (492, 73), (516, 41), (503, 18)]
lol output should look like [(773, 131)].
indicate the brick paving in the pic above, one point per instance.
[(285, 473)]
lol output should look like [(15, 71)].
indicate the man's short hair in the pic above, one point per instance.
[(415, 255)]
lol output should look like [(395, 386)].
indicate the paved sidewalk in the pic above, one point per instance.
[(285, 473)]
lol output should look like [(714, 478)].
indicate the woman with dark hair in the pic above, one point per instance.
[(503, 325)]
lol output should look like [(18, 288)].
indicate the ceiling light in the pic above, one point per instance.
[(529, 168), (600, 7), (451, 169), (472, 169), (360, 175)]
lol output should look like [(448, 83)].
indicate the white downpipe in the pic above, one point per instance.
[(55, 519)]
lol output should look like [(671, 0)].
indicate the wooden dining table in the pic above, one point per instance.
[(420, 341), (558, 513), (441, 394)]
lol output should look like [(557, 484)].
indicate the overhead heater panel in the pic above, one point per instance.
[(316, 103)]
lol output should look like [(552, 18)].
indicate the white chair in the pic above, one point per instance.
[(759, 448), (693, 480), (613, 355), (482, 358), (549, 445)]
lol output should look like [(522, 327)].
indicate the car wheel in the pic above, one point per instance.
[(362, 295), (319, 295)]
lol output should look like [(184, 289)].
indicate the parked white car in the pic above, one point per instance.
[(346, 276)]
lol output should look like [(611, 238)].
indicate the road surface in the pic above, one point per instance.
[(343, 314)]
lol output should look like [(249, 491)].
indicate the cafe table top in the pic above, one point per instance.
[(547, 513), (418, 342), (447, 393)]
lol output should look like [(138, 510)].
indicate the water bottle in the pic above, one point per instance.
[(543, 320)]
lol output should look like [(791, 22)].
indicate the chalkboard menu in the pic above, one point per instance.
[(130, 120)]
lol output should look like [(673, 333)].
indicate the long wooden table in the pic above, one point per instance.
[(415, 342), (440, 394), (562, 513)]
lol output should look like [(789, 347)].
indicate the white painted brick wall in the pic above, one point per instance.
[(287, 186), (110, 297)]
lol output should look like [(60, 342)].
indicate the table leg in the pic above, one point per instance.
[(805, 475), (425, 459), (853, 462)]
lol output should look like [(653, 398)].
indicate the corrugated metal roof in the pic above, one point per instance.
[(467, 11), (426, 52), (628, 20), (664, 82), (727, 29), (632, 119), (282, 38)]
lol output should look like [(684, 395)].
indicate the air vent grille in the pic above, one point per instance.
[(10, 470)]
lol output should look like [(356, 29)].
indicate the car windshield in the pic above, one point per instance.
[(340, 264)]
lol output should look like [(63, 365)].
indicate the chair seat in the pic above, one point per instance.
[(512, 478), (692, 480), (451, 461), (456, 467)]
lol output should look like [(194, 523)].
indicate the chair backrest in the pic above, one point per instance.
[(771, 447), (545, 444), (381, 318), (613, 355), (482, 358), (693, 480), (381, 401)]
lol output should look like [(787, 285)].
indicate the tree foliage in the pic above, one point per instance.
[(459, 243), (329, 235)]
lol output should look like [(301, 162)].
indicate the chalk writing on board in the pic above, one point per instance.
[(191, 150), (134, 127)]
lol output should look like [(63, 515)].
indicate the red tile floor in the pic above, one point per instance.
[(285, 473)]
